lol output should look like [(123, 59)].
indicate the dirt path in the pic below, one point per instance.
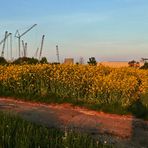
[(122, 131)]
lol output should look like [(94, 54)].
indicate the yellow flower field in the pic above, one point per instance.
[(102, 84)]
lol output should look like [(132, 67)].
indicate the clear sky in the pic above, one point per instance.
[(106, 29)]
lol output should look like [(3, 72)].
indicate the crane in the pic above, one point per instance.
[(3, 41), (24, 48), (36, 53), (18, 35), (41, 48), (25, 51), (58, 57)]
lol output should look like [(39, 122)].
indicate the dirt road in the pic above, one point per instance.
[(121, 131)]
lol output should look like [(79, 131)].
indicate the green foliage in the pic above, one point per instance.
[(92, 61), (133, 63), (3, 61), (138, 109), (25, 60), (18, 133), (44, 60), (145, 66), (55, 63)]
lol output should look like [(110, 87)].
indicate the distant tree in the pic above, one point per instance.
[(25, 60), (145, 66), (3, 61), (133, 63), (92, 61), (44, 60), (55, 63), (33, 61)]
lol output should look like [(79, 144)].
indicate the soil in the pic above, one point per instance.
[(119, 131)]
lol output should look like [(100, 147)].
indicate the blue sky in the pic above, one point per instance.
[(106, 29)]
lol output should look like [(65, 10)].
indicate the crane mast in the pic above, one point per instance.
[(36, 53), (24, 48), (58, 57), (25, 51), (41, 48), (4, 42)]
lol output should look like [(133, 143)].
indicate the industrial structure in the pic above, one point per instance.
[(41, 48), (69, 61), (3, 41), (38, 52), (21, 44), (18, 35), (58, 56), (24, 53)]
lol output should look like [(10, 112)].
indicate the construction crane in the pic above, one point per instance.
[(24, 48), (11, 47), (4, 41), (41, 48), (18, 35), (58, 57), (36, 53)]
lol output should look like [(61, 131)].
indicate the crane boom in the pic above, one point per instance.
[(41, 49), (18, 35), (27, 30)]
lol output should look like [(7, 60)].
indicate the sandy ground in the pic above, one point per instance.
[(121, 131)]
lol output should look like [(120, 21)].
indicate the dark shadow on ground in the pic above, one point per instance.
[(139, 111)]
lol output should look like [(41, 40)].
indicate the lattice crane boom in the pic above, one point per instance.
[(18, 35)]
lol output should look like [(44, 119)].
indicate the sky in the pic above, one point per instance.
[(109, 30)]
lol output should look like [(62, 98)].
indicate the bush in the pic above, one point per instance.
[(92, 61), (145, 66), (44, 60), (3, 61), (25, 60)]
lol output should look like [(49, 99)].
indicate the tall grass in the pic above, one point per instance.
[(18, 133)]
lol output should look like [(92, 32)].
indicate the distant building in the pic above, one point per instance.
[(117, 64), (69, 61)]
